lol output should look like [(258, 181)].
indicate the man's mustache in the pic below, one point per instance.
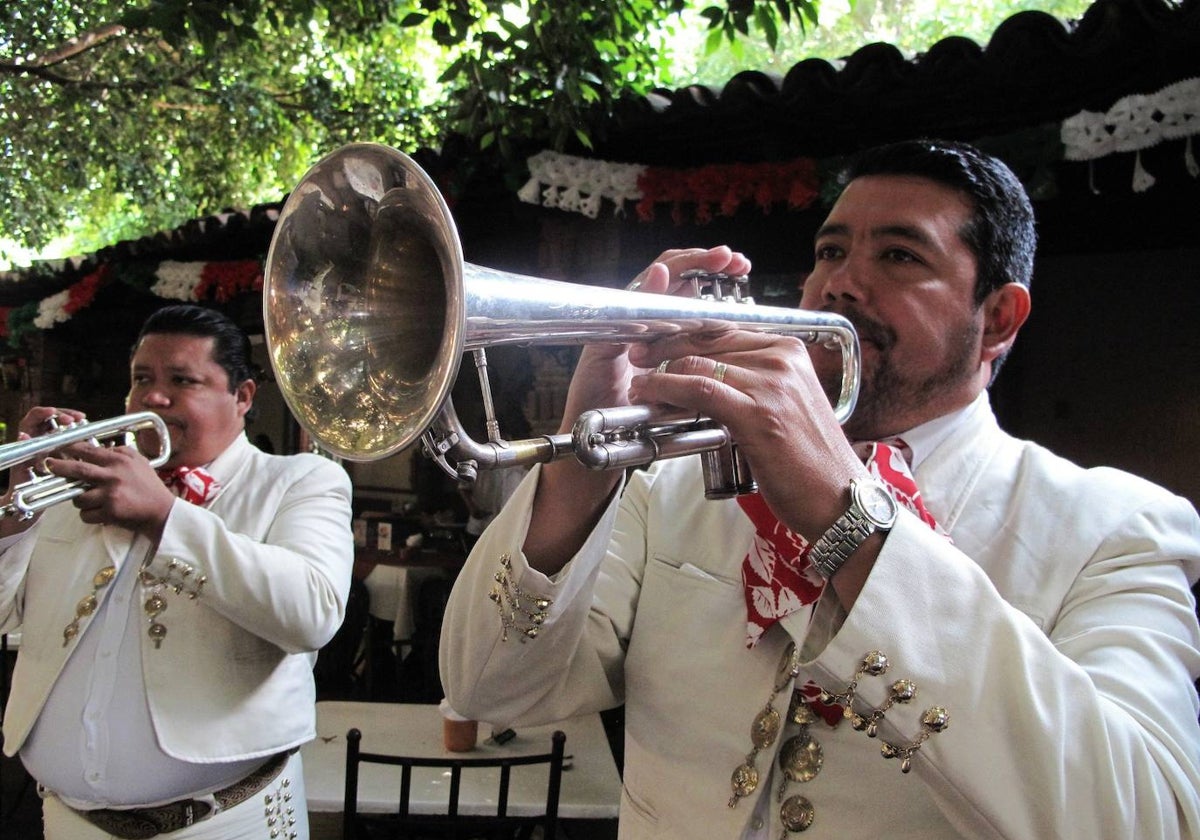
[(868, 329)]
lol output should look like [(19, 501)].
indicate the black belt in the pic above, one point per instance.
[(140, 823)]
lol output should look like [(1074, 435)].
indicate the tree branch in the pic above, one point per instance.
[(76, 46)]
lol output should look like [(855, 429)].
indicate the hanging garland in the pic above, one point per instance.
[(193, 282), (1135, 123), (581, 185), (215, 281), (725, 188), (63, 305)]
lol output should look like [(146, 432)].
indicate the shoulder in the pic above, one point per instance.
[(300, 467), (1107, 503), (1081, 485)]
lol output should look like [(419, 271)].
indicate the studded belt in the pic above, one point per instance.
[(140, 823)]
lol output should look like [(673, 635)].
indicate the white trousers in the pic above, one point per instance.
[(283, 800)]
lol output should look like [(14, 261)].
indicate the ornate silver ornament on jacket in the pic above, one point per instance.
[(935, 720)]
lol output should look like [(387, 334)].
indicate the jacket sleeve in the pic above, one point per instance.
[(1072, 718), (492, 669), (284, 577), (15, 553)]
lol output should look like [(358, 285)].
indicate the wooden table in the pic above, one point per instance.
[(591, 788)]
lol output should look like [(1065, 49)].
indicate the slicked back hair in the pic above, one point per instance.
[(1000, 231), (231, 346)]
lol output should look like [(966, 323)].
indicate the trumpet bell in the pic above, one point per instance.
[(363, 302)]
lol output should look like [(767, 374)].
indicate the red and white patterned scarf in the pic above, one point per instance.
[(778, 577), (192, 484)]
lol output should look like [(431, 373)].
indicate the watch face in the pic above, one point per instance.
[(876, 502)]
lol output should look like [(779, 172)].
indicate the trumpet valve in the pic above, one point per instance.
[(718, 286)]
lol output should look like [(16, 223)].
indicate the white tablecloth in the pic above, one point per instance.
[(591, 788), (393, 592)]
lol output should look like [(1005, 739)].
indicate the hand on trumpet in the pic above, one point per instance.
[(604, 372), (764, 390), (122, 488), (39, 420), (570, 497)]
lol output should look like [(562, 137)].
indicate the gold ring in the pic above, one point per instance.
[(719, 372), (662, 366)]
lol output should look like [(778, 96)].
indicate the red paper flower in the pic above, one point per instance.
[(224, 281), (725, 188), (82, 293)]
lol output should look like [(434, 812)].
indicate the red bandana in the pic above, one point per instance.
[(777, 575), (192, 484)]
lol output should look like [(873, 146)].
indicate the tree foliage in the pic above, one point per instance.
[(136, 118), (840, 27), (121, 118), (118, 119)]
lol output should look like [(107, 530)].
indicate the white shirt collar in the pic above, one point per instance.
[(925, 438)]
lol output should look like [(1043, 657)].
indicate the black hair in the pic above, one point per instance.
[(1000, 232), (231, 345)]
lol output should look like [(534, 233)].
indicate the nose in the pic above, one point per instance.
[(152, 397), (843, 281)]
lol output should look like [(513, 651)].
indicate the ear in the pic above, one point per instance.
[(1004, 311), (244, 394)]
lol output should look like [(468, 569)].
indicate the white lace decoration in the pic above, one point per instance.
[(1134, 123), (579, 185), (52, 310), (177, 280)]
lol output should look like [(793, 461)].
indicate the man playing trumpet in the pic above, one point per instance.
[(170, 619), (1002, 646)]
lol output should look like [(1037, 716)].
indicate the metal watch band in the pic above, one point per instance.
[(835, 546)]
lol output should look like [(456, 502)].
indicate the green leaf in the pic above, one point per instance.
[(766, 22)]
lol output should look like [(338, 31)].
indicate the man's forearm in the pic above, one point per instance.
[(569, 502)]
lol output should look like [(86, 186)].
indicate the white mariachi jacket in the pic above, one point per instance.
[(1057, 631), (233, 677)]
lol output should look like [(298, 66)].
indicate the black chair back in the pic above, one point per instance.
[(451, 824)]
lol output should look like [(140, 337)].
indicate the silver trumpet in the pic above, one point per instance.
[(43, 490), (368, 308)]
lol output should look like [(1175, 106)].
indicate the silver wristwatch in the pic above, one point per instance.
[(872, 508)]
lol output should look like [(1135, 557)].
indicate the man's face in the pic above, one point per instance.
[(891, 260), (174, 376)]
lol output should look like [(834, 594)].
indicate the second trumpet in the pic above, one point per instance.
[(40, 490)]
